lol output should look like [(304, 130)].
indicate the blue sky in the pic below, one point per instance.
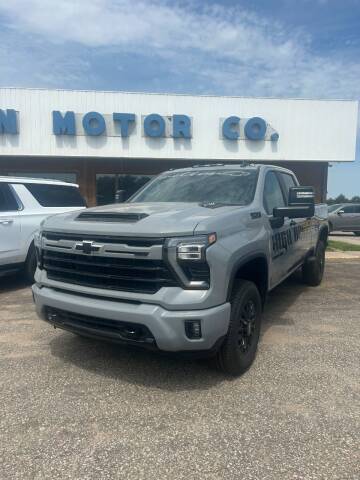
[(282, 48)]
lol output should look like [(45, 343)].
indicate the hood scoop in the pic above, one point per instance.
[(111, 217)]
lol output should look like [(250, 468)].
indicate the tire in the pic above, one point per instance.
[(238, 350), (314, 266), (357, 234), (30, 265)]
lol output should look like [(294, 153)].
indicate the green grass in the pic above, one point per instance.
[(336, 246)]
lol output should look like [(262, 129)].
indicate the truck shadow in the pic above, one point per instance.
[(159, 370), (134, 365), (280, 301), (12, 283)]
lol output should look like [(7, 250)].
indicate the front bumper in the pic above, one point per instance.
[(167, 327)]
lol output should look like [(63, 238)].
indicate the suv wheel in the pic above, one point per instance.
[(30, 264), (238, 351), (313, 268)]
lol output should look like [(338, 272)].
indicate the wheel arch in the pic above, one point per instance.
[(254, 269)]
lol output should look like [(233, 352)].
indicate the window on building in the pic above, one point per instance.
[(125, 185), (8, 201), (56, 195), (273, 196)]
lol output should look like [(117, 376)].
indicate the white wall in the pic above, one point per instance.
[(310, 130)]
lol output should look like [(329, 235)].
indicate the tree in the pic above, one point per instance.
[(342, 199)]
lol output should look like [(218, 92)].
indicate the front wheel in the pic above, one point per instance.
[(238, 351), (313, 268), (30, 265)]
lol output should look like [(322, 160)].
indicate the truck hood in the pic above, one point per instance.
[(141, 219)]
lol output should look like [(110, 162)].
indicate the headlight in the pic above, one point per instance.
[(187, 257), (192, 248), (38, 248)]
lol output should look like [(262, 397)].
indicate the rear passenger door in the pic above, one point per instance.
[(301, 228), (280, 236)]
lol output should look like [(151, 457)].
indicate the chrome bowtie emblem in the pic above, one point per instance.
[(87, 247)]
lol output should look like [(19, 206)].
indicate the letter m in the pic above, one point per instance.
[(8, 122), (63, 124)]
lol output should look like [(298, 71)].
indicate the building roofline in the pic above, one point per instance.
[(167, 94)]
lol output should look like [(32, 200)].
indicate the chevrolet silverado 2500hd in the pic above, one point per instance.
[(185, 264)]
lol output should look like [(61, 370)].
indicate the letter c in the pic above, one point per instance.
[(230, 128)]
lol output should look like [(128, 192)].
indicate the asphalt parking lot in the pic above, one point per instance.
[(80, 409)]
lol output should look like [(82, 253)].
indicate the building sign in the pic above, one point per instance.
[(9, 121), (176, 126)]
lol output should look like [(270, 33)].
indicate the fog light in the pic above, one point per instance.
[(193, 329), (51, 316)]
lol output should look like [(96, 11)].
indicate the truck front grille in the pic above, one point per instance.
[(115, 266)]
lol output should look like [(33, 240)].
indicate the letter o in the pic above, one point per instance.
[(255, 128), (154, 125), (93, 123)]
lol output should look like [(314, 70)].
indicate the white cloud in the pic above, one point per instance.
[(226, 50)]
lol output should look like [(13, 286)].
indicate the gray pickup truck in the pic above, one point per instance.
[(185, 265)]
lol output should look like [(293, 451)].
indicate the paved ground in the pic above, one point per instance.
[(345, 237), (78, 409)]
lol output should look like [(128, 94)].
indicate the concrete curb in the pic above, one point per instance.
[(342, 255)]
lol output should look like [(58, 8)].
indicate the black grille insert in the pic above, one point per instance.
[(114, 273)]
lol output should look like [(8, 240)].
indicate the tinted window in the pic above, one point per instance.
[(288, 182), (357, 208), (273, 196), (8, 202), (202, 186), (332, 208), (56, 195), (349, 209)]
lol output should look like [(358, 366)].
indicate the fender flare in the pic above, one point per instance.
[(242, 261)]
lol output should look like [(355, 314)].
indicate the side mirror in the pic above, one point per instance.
[(301, 204), (340, 212)]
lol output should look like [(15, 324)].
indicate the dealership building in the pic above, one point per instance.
[(112, 141)]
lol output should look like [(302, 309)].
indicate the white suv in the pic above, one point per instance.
[(24, 203)]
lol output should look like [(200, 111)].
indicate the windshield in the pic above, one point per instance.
[(236, 187), (332, 208)]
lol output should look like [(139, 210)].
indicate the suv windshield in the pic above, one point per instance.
[(235, 187)]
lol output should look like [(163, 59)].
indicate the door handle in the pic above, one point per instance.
[(6, 222)]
